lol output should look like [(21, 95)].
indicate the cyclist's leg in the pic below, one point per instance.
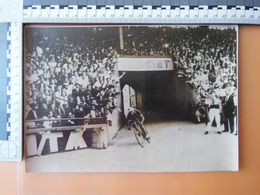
[(129, 124), (141, 125), (144, 129), (145, 132)]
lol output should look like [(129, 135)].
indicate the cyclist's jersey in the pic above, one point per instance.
[(135, 115)]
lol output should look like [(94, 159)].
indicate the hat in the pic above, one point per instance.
[(33, 105), (131, 109), (29, 101)]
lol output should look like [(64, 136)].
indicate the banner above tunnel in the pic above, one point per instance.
[(145, 63)]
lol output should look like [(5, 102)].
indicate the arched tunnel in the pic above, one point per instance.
[(161, 94)]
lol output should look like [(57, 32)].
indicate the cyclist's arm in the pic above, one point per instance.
[(142, 119), (141, 115)]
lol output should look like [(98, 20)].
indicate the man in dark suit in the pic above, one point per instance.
[(228, 111), (101, 100), (77, 92), (33, 113), (41, 86), (42, 111)]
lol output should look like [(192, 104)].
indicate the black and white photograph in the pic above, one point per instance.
[(130, 98)]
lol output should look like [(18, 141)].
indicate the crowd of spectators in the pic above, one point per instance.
[(66, 78), (72, 73), (206, 57)]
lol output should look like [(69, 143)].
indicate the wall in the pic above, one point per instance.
[(181, 96), (14, 180)]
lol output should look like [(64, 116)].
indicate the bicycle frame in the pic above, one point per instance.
[(139, 133)]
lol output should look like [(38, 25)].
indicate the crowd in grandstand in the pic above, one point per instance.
[(67, 81), (205, 57), (74, 75)]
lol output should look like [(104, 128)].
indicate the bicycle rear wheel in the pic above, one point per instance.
[(139, 137)]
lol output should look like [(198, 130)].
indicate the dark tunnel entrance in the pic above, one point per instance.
[(160, 95)]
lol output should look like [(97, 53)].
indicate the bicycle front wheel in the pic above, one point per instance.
[(139, 137)]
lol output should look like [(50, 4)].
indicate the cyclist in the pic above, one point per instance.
[(135, 115)]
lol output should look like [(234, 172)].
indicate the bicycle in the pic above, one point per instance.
[(140, 135)]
